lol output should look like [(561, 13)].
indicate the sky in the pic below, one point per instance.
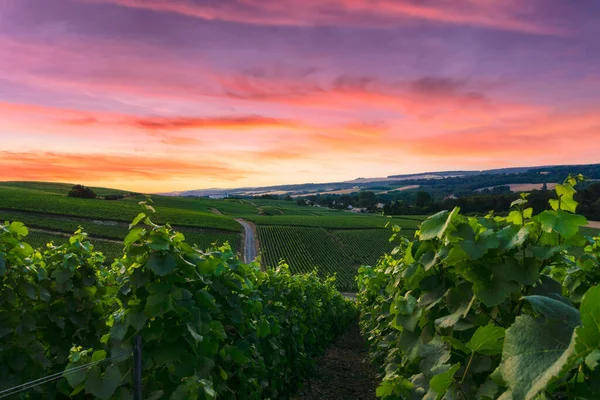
[(166, 95)]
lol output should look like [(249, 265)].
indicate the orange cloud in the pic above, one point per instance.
[(228, 122), (490, 14), (79, 118), (550, 135), (49, 166)]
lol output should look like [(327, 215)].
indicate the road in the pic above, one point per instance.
[(249, 240)]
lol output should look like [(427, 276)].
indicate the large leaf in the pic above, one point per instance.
[(565, 224), (103, 386), (436, 225), (556, 309), (531, 348), (160, 264)]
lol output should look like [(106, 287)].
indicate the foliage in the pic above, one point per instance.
[(212, 327), (48, 300), (81, 192), (485, 308)]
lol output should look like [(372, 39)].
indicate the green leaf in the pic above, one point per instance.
[(75, 378), (19, 228), (158, 304), (197, 337), (157, 242), (237, 355), (531, 348), (441, 382), (160, 264), (487, 391), (437, 224), (134, 235), (136, 319), (555, 309), (98, 355), (207, 385), (487, 340), (565, 224), (103, 386), (44, 293), (584, 343), (137, 220), (589, 333), (264, 328)]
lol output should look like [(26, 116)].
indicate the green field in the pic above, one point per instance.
[(329, 251), (121, 210), (332, 241), (337, 220)]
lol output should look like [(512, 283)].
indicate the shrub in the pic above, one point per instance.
[(82, 192), (486, 308)]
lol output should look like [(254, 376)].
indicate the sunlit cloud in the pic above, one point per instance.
[(382, 13), (136, 94)]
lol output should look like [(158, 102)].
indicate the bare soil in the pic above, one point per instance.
[(344, 372)]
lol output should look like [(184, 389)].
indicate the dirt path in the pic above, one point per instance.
[(250, 241), (594, 224), (344, 372)]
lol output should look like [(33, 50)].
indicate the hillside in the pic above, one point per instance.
[(448, 180)]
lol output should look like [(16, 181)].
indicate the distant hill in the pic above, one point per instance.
[(471, 180)]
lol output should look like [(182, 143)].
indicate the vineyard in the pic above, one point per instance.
[(305, 249), (20, 199), (488, 308), (338, 252), (54, 227), (366, 246), (334, 220), (210, 326)]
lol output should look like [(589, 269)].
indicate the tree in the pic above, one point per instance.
[(82, 192), (423, 198)]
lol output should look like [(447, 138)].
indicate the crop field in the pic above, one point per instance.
[(305, 249), (366, 246), (114, 230), (333, 241), (122, 210), (335, 221), (330, 251)]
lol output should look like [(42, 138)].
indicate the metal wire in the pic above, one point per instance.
[(58, 375)]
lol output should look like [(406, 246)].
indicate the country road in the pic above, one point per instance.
[(249, 240)]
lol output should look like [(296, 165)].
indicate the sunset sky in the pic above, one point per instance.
[(161, 95)]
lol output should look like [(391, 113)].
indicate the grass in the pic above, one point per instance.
[(120, 210)]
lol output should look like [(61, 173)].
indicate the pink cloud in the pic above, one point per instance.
[(381, 13)]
